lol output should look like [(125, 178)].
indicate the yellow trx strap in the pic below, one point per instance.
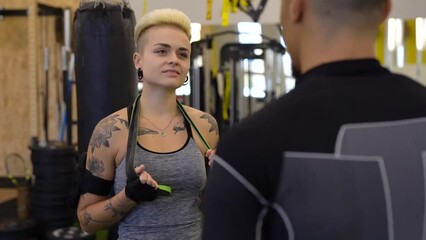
[(209, 9), (234, 6), (243, 3), (226, 102), (145, 6), (225, 13)]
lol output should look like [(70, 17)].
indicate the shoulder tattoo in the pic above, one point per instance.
[(212, 121), (104, 131)]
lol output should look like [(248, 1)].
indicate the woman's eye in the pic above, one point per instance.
[(183, 55), (162, 51)]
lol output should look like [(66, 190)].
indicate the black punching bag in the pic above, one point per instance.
[(105, 75)]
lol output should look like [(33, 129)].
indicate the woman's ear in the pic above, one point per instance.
[(137, 60)]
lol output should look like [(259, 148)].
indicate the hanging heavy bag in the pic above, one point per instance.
[(105, 75), (77, 181)]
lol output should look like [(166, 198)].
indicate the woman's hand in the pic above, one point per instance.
[(210, 154), (144, 188), (145, 177)]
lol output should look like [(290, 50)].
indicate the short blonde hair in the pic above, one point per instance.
[(166, 16)]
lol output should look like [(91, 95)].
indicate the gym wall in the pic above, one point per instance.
[(23, 77)]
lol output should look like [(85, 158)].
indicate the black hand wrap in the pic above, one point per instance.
[(138, 191)]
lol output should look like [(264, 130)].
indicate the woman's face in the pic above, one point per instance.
[(164, 56)]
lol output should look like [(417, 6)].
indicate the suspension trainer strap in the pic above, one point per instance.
[(182, 110), (131, 140)]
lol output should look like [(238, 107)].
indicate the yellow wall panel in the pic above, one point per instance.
[(410, 41), (380, 44)]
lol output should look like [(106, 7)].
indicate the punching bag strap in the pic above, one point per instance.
[(131, 140)]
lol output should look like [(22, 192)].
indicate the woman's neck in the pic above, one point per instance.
[(158, 104)]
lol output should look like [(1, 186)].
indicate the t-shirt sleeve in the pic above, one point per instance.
[(230, 209)]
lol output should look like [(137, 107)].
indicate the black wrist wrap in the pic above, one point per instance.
[(138, 191)]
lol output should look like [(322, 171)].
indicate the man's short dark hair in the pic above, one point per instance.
[(349, 12)]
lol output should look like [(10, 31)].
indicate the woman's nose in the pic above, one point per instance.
[(173, 59)]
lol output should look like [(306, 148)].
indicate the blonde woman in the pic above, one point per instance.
[(167, 152)]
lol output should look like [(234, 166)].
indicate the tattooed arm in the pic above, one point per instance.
[(208, 127), (105, 149)]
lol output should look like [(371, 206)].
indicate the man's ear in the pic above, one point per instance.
[(386, 11), (297, 8)]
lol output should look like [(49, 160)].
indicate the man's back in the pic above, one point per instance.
[(306, 119)]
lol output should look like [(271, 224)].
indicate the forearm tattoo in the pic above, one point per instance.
[(87, 219), (104, 131), (115, 211), (96, 166), (213, 124)]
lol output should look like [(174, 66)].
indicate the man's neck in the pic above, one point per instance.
[(344, 46)]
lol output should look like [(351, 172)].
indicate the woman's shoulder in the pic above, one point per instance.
[(109, 138), (191, 110), (206, 123), (111, 129), (119, 116), (199, 116), (195, 112)]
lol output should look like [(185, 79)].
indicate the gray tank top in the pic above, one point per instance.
[(177, 216)]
